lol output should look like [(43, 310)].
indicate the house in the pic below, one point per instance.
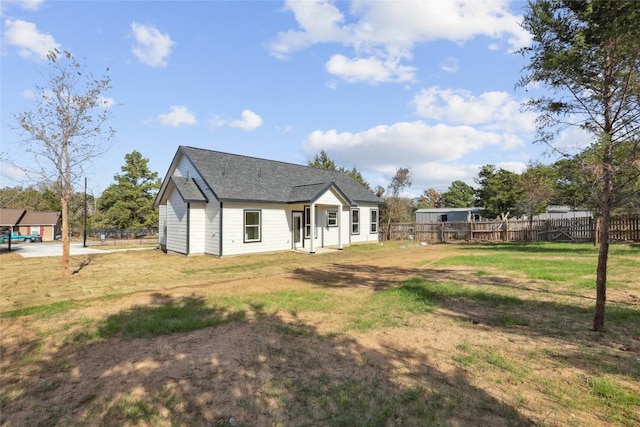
[(9, 218), (562, 212), (225, 204), (448, 214), (47, 224)]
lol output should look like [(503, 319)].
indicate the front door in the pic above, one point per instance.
[(297, 230)]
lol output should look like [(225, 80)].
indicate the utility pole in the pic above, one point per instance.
[(84, 243)]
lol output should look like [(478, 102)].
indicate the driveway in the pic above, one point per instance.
[(32, 250)]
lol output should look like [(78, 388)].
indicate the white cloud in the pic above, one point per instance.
[(393, 145), (31, 43), (372, 70), (28, 94), (10, 172), (152, 47), (178, 116), (384, 33), (572, 140), (319, 22), (450, 65), (31, 4), (493, 110), (249, 121)]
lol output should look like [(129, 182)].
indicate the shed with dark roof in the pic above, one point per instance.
[(218, 203)]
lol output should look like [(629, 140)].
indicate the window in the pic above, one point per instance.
[(374, 221), (355, 221), (444, 218), (252, 221), (332, 218), (307, 221)]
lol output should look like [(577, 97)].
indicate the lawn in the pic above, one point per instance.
[(400, 334)]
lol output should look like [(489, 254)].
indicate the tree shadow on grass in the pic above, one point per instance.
[(257, 370), (501, 303)]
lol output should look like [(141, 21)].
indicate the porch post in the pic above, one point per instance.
[(313, 228), (339, 227)]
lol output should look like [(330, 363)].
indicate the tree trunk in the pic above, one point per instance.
[(603, 255), (66, 272)]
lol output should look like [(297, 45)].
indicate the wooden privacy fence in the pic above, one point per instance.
[(623, 228)]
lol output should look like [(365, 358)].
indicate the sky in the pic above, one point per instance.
[(378, 85)]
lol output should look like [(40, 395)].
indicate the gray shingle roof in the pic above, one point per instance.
[(188, 189), (232, 177)]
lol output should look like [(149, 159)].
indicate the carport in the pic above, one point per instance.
[(9, 218)]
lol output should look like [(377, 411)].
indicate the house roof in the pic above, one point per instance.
[(188, 189), (233, 177), (310, 192), (10, 217), (444, 210), (40, 218)]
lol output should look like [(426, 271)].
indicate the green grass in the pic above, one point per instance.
[(564, 263), (181, 316), (434, 292), (43, 311), (291, 301), (622, 406)]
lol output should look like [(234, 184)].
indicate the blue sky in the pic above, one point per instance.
[(377, 84)]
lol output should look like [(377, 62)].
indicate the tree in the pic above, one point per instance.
[(322, 161), (571, 187), (458, 195), (538, 183), (129, 202), (430, 198), (30, 198), (499, 192), (397, 208), (587, 53), (66, 129)]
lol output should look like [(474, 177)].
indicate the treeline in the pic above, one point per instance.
[(572, 182), (569, 182), (125, 204)]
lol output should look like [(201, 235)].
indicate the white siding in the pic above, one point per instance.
[(212, 226), (275, 228), (176, 224), (197, 236), (162, 225), (211, 233), (328, 236), (186, 168), (329, 198), (365, 225)]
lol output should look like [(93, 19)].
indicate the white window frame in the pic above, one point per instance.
[(374, 221), (355, 225), (307, 222), (258, 225), (332, 218)]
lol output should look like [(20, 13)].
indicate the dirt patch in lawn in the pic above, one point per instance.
[(459, 362)]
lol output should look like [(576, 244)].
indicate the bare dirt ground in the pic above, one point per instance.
[(292, 367)]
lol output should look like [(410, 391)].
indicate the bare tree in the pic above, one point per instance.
[(396, 207), (65, 130)]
